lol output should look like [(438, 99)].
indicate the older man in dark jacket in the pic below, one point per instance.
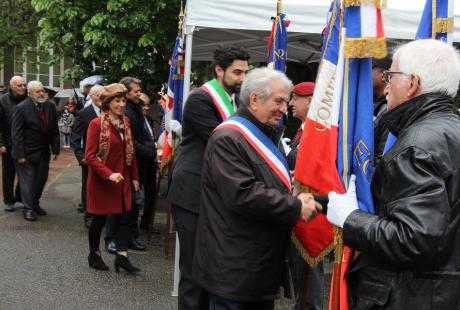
[(247, 210), (8, 101), (410, 248), (35, 137)]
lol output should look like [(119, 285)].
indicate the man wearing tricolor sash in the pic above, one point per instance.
[(205, 109), (410, 248), (247, 210)]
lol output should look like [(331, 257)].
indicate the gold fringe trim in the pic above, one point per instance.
[(379, 4), (365, 47), (443, 25), (311, 261), (300, 188), (433, 18)]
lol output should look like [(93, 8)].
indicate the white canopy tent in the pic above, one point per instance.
[(210, 24), (213, 23)]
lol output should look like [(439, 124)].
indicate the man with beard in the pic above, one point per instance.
[(8, 102), (205, 109), (34, 132)]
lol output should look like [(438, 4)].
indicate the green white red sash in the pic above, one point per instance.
[(262, 145), (220, 98)]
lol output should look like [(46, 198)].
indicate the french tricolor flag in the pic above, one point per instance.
[(338, 135), (174, 98), (316, 159)]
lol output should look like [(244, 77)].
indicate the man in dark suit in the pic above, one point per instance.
[(8, 102), (146, 153), (202, 113), (35, 137), (78, 140)]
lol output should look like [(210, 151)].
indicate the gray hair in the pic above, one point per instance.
[(33, 84), (96, 90), (128, 80), (436, 63), (258, 81)]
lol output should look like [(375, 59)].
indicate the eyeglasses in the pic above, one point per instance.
[(389, 75)]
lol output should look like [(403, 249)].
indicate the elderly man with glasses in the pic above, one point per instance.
[(410, 248)]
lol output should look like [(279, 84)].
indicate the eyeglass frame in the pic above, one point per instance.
[(388, 75)]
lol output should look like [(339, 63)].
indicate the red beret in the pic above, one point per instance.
[(304, 89)]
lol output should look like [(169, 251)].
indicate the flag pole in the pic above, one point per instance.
[(279, 7), (162, 172)]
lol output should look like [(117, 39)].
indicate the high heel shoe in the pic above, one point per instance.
[(124, 263), (95, 261)]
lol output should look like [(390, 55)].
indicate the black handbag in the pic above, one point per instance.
[(138, 199)]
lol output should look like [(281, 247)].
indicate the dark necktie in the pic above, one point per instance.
[(42, 114), (297, 137)]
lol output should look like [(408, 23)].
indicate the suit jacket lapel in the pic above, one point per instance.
[(34, 111)]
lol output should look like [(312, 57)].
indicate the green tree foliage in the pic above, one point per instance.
[(18, 24), (114, 38)]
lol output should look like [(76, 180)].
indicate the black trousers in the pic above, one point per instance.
[(148, 181), (32, 179), (84, 179), (191, 295), (132, 224), (120, 227), (219, 303), (10, 194)]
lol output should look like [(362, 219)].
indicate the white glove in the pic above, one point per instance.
[(341, 205), (175, 126), (284, 143)]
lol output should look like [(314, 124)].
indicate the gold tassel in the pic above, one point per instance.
[(443, 25), (365, 47), (379, 4), (338, 245)]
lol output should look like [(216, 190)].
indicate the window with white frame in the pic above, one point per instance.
[(34, 66)]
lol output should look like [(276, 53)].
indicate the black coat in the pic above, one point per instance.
[(411, 249), (144, 144), (245, 219), (7, 104), (79, 129), (200, 117), (30, 139)]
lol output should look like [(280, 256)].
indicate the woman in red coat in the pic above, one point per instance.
[(112, 174)]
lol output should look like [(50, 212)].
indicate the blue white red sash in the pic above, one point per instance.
[(263, 145)]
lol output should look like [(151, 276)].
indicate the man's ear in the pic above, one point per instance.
[(219, 71), (414, 88), (253, 102)]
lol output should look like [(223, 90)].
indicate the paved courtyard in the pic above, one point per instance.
[(43, 264)]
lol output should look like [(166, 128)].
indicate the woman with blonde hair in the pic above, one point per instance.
[(112, 175)]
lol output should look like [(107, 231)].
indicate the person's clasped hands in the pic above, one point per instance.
[(340, 206), (310, 207)]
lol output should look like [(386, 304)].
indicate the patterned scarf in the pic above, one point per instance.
[(122, 126)]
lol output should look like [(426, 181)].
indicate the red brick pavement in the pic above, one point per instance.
[(56, 167)]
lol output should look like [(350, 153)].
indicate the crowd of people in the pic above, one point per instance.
[(233, 202)]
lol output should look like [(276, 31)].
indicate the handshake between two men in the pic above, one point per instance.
[(337, 206)]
